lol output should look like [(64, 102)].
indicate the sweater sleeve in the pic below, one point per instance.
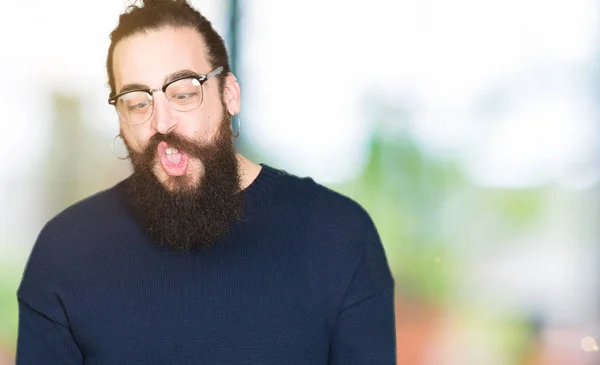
[(44, 335), (42, 341), (365, 328)]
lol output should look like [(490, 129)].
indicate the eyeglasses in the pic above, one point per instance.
[(183, 93)]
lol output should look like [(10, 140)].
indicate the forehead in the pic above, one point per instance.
[(146, 58)]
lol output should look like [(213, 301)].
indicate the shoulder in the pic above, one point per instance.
[(332, 217), (340, 240), (62, 249), (72, 233), (93, 212), (308, 191), (325, 201)]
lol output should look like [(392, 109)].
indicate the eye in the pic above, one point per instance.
[(139, 107), (184, 96), (184, 91), (135, 102)]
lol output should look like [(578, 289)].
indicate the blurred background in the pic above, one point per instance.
[(468, 129)]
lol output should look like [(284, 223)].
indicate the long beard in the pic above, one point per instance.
[(187, 217)]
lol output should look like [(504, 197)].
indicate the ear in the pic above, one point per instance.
[(231, 94)]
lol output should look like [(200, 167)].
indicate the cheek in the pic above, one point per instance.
[(203, 125), (136, 136)]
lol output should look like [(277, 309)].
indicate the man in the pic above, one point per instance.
[(200, 256)]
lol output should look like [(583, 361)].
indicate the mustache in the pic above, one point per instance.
[(206, 151), (202, 150), (193, 148)]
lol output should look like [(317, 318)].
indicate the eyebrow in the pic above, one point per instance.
[(130, 87), (170, 77), (178, 75)]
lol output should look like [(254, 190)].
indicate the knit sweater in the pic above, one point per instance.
[(301, 278)]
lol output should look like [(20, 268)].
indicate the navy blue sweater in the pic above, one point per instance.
[(301, 279)]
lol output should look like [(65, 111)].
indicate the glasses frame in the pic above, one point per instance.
[(201, 79)]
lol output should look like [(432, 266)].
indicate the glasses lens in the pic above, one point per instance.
[(185, 94), (135, 107)]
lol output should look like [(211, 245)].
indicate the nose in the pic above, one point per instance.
[(163, 118)]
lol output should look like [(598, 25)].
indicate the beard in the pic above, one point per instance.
[(187, 217)]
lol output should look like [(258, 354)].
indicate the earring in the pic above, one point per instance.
[(112, 148), (239, 127)]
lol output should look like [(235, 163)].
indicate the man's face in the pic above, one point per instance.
[(188, 198), (148, 59)]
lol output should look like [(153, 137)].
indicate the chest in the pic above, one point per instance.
[(229, 307)]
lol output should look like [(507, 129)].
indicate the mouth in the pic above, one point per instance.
[(172, 161)]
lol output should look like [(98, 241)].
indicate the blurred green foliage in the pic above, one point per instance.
[(10, 276), (427, 210), (404, 191)]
